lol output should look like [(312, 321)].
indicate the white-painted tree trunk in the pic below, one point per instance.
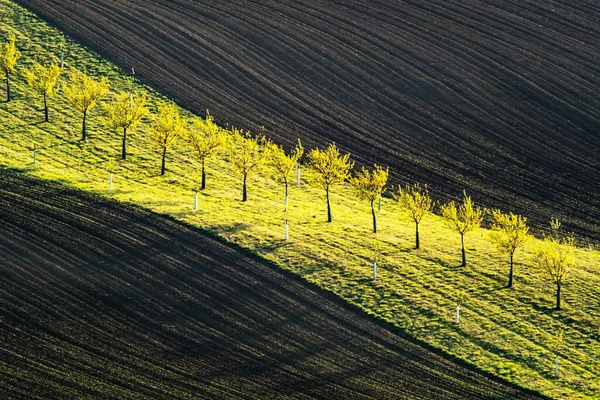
[(110, 181), (62, 59), (195, 201), (457, 314), (374, 270), (298, 176), (34, 153), (556, 367), (287, 231)]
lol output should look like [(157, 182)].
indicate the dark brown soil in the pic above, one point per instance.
[(499, 97), (108, 301)]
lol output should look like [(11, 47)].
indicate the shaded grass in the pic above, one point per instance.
[(507, 332)]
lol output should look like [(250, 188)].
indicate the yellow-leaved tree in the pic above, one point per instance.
[(370, 185), (43, 80), (83, 92), (467, 217), (332, 168), (125, 111), (283, 164), (206, 138), (556, 257), (168, 125), (414, 200), (247, 154), (8, 60), (508, 233)]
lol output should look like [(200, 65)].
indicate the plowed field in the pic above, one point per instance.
[(499, 97), (104, 300)]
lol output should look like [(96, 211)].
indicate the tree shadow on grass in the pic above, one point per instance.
[(272, 245), (547, 309), (232, 228), (445, 264), (20, 169), (113, 191)]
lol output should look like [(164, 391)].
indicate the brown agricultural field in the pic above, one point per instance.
[(499, 96), (107, 301)]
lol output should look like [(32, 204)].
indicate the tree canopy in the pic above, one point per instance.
[(331, 167), (167, 126), (370, 185), (415, 200), (42, 79), (467, 217), (83, 92)]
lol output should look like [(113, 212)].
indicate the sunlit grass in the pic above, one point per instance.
[(508, 332)]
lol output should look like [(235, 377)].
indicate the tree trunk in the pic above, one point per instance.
[(164, 155), (203, 184), (464, 255), (45, 108), (329, 219), (83, 131), (374, 218), (244, 192), (286, 193), (558, 296), (7, 88), (417, 242), (510, 275), (124, 147)]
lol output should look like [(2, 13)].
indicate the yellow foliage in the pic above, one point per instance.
[(508, 231), (246, 152), (282, 163), (9, 55), (414, 200), (205, 137), (465, 218), (331, 166), (123, 113), (370, 185), (167, 126), (556, 257), (42, 79), (83, 92)]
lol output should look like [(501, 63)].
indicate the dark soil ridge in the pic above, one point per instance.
[(498, 96), (109, 301)]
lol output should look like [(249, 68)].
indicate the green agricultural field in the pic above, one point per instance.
[(511, 333)]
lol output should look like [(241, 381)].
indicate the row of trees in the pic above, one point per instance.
[(248, 154)]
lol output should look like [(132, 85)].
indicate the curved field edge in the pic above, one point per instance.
[(494, 96), (106, 300), (508, 333)]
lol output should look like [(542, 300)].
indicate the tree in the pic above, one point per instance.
[(508, 233), (43, 79), (332, 168), (370, 186), (416, 201), (167, 126), (554, 227), (283, 164), (206, 138), (556, 257), (247, 154), (8, 60), (463, 219), (83, 92), (125, 112)]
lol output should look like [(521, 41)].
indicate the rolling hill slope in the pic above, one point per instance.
[(103, 300), (499, 97)]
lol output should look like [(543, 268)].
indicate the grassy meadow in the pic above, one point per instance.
[(508, 332)]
